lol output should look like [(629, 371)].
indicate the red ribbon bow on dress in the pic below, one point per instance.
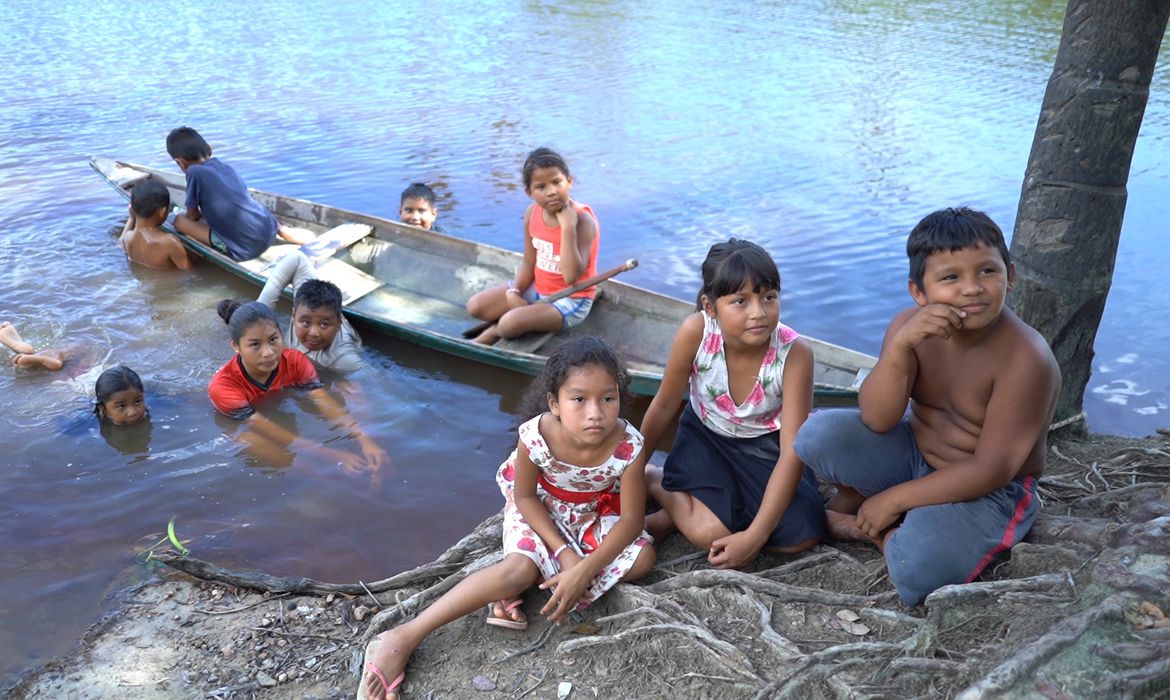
[(608, 501)]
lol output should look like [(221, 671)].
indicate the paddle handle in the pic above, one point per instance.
[(590, 281), (567, 291)]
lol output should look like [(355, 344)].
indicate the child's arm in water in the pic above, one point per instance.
[(268, 440), (374, 455), (577, 234), (740, 548), (576, 574), (177, 253), (667, 402)]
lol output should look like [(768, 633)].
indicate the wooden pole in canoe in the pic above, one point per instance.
[(567, 291)]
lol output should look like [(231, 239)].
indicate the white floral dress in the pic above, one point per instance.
[(583, 525)]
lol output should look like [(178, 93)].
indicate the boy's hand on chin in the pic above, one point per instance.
[(931, 321)]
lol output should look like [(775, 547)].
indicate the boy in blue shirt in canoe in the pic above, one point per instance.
[(221, 213)]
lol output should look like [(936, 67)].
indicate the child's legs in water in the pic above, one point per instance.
[(199, 230), (507, 579), (52, 360), (11, 339), (692, 518)]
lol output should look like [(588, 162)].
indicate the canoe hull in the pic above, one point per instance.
[(425, 279)]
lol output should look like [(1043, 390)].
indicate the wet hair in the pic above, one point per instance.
[(542, 158), (576, 352), (314, 294), (148, 197), (950, 230), (186, 143), (418, 190), (239, 316), (111, 382), (731, 265)]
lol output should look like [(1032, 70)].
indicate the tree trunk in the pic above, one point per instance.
[(1073, 197)]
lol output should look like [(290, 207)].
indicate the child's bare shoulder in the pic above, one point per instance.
[(1023, 343)]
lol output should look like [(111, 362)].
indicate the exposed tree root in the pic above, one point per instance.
[(1025, 662)]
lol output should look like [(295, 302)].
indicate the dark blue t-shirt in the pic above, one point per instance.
[(245, 227)]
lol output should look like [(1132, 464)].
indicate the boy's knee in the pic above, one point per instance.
[(917, 569), (823, 431)]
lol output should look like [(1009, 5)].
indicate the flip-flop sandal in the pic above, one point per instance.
[(389, 688), (506, 622)]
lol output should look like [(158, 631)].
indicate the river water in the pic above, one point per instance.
[(823, 130)]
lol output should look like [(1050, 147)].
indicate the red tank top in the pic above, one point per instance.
[(547, 241)]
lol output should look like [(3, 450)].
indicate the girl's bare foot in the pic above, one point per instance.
[(51, 360), (388, 652), (10, 337)]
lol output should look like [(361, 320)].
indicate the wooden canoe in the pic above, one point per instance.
[(413, 284)]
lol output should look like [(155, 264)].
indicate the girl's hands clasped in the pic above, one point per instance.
[(568, 587)]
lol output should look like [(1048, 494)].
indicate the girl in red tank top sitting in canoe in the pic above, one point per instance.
[(561, 237)]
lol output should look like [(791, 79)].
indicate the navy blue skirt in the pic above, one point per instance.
[(729, 476)]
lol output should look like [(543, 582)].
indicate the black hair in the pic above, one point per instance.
[(418, 190), (731, 265), (186, 143), (239, 316), (314, 294), (542, 158), (111, 382), (148, 196), (576, 352), (950, 230)]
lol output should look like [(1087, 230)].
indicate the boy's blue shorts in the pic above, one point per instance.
[(935, 545), (573, 310), (218, 244)]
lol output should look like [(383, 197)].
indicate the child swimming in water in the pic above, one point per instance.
[(262, 365), (119, 397)]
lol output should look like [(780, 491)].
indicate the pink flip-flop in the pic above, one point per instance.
[(387, 688), (506, 622)]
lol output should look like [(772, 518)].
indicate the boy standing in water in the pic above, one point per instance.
[(947, 488), (221, 213), (417, 207), (142, 239)]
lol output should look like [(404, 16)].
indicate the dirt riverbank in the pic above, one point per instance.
[(1076, 612)]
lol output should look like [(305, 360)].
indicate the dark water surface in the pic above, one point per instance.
[(823, 130)]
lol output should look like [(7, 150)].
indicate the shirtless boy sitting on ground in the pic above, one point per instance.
[(947, 488), (142, 239)]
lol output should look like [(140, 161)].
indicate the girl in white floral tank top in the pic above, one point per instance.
[(574, 505), (732, 484)]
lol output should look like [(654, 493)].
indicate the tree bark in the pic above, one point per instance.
[(1074, 191)]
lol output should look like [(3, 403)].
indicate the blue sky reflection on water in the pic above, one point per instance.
[(823, 130)]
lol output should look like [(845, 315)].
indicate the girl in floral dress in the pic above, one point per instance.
[(574, 505), (733, 484)]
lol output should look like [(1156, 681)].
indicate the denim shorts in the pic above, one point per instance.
[(218, 244), (573, 309)]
